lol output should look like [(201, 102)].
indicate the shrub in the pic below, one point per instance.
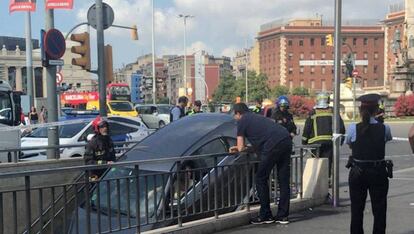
[(301, 106), (404, 106)]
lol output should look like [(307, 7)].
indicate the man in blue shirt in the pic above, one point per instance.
[(179, 111), (273, 144)]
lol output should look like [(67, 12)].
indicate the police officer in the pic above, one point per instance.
[(100, 149), (318, 128), (179, 111), (196, 108), (369, 170), (282, 116), (258, 107), (273, 143)]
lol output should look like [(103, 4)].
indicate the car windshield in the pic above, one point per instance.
[(121, 106), (150, 192), (5, 109), (163, 109), (65, 131)]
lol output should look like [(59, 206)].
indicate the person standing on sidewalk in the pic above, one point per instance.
[(179, 111), (273, 144), (369, 170)]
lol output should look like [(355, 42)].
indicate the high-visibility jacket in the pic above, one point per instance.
[(318, 127)]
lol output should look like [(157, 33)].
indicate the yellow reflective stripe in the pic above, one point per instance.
[(320, 138), (323, 114)]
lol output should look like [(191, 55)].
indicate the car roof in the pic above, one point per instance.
[(178, 137)]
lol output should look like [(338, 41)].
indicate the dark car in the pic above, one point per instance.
[(159, 187)]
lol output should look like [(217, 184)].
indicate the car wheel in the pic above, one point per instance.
[(76, 156), (161, 124)]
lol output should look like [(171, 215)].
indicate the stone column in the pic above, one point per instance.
[(6, 73), (19, 81)]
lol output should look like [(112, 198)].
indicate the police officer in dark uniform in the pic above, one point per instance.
[(369, 171), (282, 116), (318, 128), (100, 149), (273, 144), (179, 111)]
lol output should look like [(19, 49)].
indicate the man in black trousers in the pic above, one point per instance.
[(273, 144)]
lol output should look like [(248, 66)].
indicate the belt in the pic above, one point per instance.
[(369, 163)]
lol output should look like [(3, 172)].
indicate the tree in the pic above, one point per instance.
[(257, 85), (300, 91), (404, 106), (163, 100), (280, 90), (301, 106), (226, 90)]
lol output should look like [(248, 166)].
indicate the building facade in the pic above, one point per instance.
[(295, 54)]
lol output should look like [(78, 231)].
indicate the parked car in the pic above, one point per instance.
[(120, 130), (200, 134), (155, 116)]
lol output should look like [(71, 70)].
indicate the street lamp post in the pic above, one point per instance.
[(185, 48), (154, 77)]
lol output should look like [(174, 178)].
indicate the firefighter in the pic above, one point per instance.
[(369, 170), (100, 149), (282, 116), (318, 128)]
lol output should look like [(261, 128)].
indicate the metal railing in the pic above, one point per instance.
[(129, 196)]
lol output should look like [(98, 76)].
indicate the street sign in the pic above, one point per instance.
[(54, 44), (355, 73), (59, 78), (57, 62), (108, 16)]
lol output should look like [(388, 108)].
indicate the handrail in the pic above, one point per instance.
[(117, 164)]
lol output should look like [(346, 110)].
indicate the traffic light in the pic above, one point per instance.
[(329, 40), (83, 50), (348, 82), (134, 33)]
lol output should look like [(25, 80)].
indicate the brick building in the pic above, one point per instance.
[(295, 54)]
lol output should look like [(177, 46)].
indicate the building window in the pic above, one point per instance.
[(78, 85), (312, 55), (375, 82), (312, 84), (302, 56), (375, 41), (312, 70), (365, 55), (411, 42), (290, 43), (365, 83), (375, 55), (375, 69), (301, 42), (290, 70), (323, 85), (302, 83), (323, 55), (290, 56), (332, 71), (365, 69), (344, 40), (323, 41), (312, 41), (323, 70), (301, 69), (355, 56), (365, 41), (354, 41)]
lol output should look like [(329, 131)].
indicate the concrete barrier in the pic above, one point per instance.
[(316, 178), (18, 198)]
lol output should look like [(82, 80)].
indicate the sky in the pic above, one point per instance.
[(220, 27)]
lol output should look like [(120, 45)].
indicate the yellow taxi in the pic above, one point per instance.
[(115, 108)]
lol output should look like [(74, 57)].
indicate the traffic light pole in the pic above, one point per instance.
[(336, 125), (101, 58), (52, 132)]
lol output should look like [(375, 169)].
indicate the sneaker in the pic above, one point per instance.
[(260, 220), (284, 220)]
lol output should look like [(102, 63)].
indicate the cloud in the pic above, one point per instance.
[(218, 25), (230, 51)]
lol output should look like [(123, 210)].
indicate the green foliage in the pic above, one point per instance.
[(280, 90), (300, 91), (229, 88)]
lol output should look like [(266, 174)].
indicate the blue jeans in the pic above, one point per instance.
[(279, 156)]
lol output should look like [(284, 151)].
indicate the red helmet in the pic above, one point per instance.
[(99, 122)]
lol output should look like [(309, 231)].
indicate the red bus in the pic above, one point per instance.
[(118, 91)]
